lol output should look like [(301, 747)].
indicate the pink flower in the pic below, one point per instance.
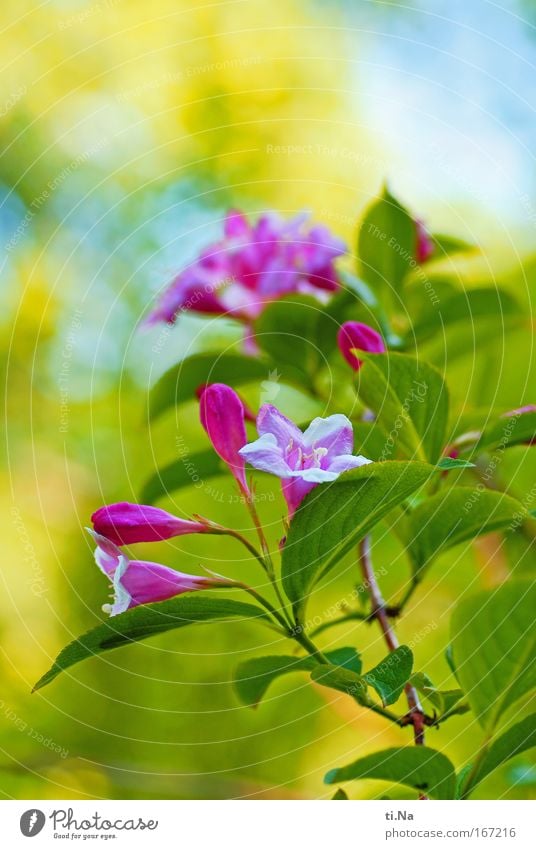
[(125, 523), (252, 265), (222, 415), (302, 460), (137, 582), (249, 415), (425, 245), (354, 335)]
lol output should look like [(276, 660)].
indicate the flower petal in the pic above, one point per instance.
[(147, 582), (271, 421), (266, 455), (316, 475), (347, 461), (194, 289), (107, 555), (294, 490), (236, 225), (334, 433)]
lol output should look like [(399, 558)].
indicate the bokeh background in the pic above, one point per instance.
[(127, 129)]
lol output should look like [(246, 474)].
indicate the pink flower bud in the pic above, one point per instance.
[(354, 335), (222, 416), (249, 415), (124, 523), (137, 582), (425, 245)]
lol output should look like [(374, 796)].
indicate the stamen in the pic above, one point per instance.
[(318, 454)]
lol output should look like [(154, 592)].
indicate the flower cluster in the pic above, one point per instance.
[(300, 460), (253, 265)]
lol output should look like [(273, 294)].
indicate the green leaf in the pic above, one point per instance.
[(450, 660), (442, 700), (461, 779), (448, 463), (410, 400), (446, 245), (178, 385), (341, 679), (468, 306), (347, 657), (369, 440), (145, 621), (391, 674), (339, 794), (509, 430), (517, 739), (454, 516), (494, 646), (254, 676), (336, 516), (190, 470), (386, 244), (424, 769), (286, 331)]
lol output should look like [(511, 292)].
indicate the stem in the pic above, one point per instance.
[(315, 652), (266, 558), (258, 526), (245, 542), (265, 603), (346, 617), (308, 645), (379, 612)]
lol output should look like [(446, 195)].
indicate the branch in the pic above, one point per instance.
[(416, 714)]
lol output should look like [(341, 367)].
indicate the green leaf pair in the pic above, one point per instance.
[(254, 676), (342, 673)]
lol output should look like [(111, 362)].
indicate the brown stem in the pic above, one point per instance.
[(416, 716)]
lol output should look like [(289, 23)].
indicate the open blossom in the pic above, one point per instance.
[(252, 265), (125, 523), (354, 335), (222, 415), (137, 582), (302, 460)]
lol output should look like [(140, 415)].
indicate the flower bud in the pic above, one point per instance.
[(425, 245), (222, 416), (125, 523), (354, 335), (137, 582)]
